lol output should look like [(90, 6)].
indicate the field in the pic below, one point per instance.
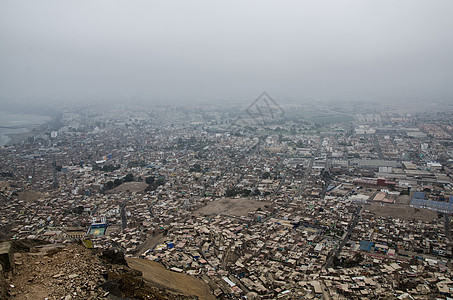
[(404, 212), (155, 273), (234, 207)]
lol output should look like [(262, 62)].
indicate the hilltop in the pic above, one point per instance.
[(72, 271)]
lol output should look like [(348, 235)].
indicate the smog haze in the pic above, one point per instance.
[(182, 51)]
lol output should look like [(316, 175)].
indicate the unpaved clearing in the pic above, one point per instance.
[(155, 273), (404, 212), (130, 187), (234, 207), (31, 195)]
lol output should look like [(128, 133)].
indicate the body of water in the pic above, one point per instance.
[(8, 119)]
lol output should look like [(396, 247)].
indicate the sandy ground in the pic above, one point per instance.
[(234, 207), (405, 199), (155, 273), (31, 195), (130, 187), (4, 186), (402, 212)]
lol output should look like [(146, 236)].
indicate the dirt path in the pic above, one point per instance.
[(150, 243)]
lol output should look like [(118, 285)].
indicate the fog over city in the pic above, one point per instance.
[(182, 51)]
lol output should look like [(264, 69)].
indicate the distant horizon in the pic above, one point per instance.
[(13, 102)]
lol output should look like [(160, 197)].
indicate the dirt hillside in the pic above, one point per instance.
[(71, 271), (155, 273)]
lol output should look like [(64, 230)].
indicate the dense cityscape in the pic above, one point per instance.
[(272, 200)]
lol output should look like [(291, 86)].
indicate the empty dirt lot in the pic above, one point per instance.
[(235, 207), (31, 195), (130, 187), (404, 212)]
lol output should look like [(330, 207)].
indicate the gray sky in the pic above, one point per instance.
[(226, 50)]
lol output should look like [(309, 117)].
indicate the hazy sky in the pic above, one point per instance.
[(199, 50)]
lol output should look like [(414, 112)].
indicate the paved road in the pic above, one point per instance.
[(352, 224), (281, 183), (123, 215), (378, 147), (306, 175), (447, 226), (325, 291)]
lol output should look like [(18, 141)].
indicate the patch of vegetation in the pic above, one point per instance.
[(149, 180), (195, 168), (153, 183), (136, 164), (266, 175), (117, 182), (348, 263), (233, 192), (110, 168)]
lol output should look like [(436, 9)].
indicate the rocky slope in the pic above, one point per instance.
[(75, 272)]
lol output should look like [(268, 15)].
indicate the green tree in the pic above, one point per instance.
[(128, 178), (266, 175), (109, 185)]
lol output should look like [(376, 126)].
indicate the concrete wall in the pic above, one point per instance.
[(2, 284), (7, 257)]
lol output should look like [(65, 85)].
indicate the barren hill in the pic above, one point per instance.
[(72, 271)]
